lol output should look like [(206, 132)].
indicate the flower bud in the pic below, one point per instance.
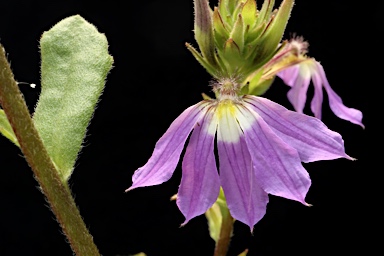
[(236, 39)]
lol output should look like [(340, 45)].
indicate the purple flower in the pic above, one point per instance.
[(260, 146), (299, 76)]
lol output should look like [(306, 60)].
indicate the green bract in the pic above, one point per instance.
[(74, 64), (236, 39), (215, 215)]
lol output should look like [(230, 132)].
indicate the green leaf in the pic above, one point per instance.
[(265, 12), (220, 29), (215, 220), (253, 79), (231, 5), (270, 40), (254, 34), (6, 128), (224, 11), (215, 215), (244, 253), (278, 23), (249, 13), (231, 56), (261, 87), (237, 11), (237, 33), (208, 67), (74, 65)]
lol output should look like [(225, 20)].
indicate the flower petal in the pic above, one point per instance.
[(297, 95), (276, 164), (200, 184), (336, 104), (317, 100), (166, 154), (298, 77), (289, 75), (245, 198), (308, 135)]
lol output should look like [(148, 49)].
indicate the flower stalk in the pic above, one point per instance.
[(57, 192), (226, 230)]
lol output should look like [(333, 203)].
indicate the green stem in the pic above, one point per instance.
[(222, 244), (58, 194)]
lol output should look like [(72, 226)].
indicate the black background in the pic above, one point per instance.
[(153, 80)]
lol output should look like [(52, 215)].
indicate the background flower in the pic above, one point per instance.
[(299, 76)]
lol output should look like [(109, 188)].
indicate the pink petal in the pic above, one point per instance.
[(317, 100), (308, 135), (245, 198), (166, 154), (289, 75), (298, 77), (297, 95), (276, 164), (336, 104), (200, 184)]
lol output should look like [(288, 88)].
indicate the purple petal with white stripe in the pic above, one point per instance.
[(166, 154), (200, 184), (246, 200), (276, 164), (308, 135)]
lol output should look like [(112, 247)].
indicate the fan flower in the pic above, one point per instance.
[(260, 147), (299, 76)]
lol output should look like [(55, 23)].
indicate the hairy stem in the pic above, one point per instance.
[(222, 244), (58, 193)]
